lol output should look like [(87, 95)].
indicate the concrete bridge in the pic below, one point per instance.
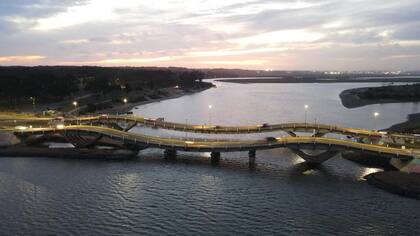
[(89, 131), (318, 130), (88, 136)]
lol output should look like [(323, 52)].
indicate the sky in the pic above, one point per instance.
[(248, 34)]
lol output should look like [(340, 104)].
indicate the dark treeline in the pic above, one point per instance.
[(47, 83), (400, 92)]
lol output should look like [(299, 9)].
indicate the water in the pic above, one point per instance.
[(150, 196)]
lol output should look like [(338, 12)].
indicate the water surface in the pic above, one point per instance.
[(150, 196)]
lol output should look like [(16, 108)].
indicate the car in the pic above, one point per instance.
[(271, 139), (265, 125)]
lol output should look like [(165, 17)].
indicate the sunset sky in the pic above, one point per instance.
[(250, 34)]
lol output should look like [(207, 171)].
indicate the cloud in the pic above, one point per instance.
[(278, 34), (20, 59)]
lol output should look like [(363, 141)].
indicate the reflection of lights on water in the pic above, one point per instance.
[(308, 172), (367, 171), (297, 160)]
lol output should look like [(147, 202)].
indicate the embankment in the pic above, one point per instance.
[(404, 184)]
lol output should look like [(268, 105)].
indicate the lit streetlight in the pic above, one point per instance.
[(375, 115), (306, 111), (125, 100), (75, 106), (33, 99), (210, 107)]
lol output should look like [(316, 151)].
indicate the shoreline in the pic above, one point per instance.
[(350, 98), (123, 108), (397, 182), (412, 124), (318, 80)]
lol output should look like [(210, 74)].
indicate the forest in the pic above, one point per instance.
[(51, 83)]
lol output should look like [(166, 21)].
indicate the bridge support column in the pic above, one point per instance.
[(215, 157), (169, 154), (251, 155)]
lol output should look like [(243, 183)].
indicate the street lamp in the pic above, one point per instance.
[(125, 100), (210, 107), (306, 111), (375, 115), (75, 106), (33, 102)]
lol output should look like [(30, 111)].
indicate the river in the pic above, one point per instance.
[(150, 196)]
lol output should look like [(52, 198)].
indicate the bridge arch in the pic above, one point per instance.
[(315, 159)]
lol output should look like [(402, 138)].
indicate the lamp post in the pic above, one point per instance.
[(210, 107), (75, 106), (125, 100), (33, 99), (306, 111), (375, 115)]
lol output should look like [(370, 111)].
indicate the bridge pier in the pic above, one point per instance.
[(170, 154), (215, 157), (251, 155)]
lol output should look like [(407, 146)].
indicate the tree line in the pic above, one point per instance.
[(49, 83)]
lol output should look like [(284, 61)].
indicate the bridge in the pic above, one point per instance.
[(318, 130), (90, 131)]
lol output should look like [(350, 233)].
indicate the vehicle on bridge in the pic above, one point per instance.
[(271, 139)]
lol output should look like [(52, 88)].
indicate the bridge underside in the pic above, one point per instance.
[(315, 159)]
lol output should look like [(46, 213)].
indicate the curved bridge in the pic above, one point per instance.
[(331, 146), (290, 128)]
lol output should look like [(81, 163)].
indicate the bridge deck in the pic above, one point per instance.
[(224, 145)]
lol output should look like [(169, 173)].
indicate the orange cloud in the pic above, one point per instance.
[(20, 58)]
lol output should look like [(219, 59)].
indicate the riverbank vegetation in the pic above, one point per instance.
[(46, 84), (359, 97), (397, 93)]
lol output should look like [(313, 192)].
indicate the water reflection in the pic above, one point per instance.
[(150, 196), (367, 171)]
